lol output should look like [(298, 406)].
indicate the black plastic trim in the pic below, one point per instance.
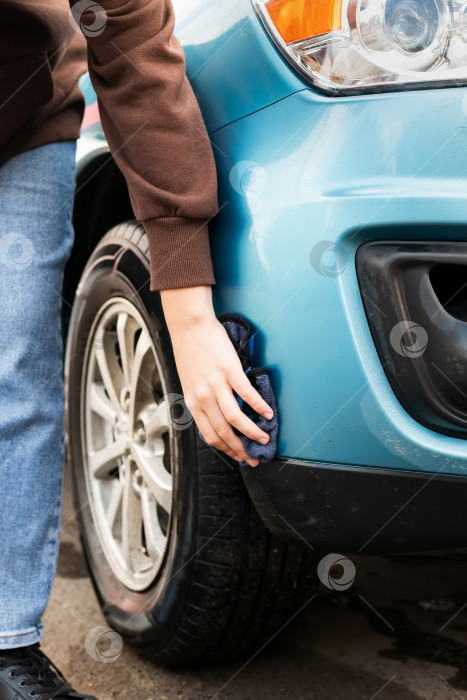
[(414, 294), (360, 509)]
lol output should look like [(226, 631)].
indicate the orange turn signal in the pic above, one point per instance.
[(300, 19)]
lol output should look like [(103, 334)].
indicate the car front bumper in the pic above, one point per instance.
[(311, 169), (360, 510)]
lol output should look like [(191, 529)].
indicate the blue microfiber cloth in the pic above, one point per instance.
[(240, 333)]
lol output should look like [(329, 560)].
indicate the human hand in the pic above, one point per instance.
[(210, 370)]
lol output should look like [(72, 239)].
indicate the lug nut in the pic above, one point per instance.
[(125, 399), (140, 433)]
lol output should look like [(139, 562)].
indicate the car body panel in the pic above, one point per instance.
[(227, 49), (348, 171)]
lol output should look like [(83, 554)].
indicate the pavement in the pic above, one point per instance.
[(399, 633)]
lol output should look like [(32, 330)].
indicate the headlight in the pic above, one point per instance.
[(353, 46)]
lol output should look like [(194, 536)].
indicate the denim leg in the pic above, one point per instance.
[(36, 200)]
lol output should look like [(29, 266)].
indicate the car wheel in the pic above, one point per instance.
[(180, 561)]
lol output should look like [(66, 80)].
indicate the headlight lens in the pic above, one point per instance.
[(411, 27), (353, 46)]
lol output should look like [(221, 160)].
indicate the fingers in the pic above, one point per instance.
[(241, 384), (233, 415), (218, 433), (211, 437)]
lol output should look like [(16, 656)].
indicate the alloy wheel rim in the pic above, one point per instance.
[(126, 443)]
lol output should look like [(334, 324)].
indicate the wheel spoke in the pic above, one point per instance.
[(143, 346), (159, 420), (131, 521), (101, 405), (125, 334), (115, 503), (110, 372), (126, 517), (155, 475), (155, 538), (102, 461)]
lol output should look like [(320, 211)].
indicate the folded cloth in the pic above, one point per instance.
[(241, 334)]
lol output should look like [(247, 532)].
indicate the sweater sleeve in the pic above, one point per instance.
[(155, 131)]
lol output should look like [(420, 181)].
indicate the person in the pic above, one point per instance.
[(158, 139)]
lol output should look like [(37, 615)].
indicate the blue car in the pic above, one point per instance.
[(339, 129)]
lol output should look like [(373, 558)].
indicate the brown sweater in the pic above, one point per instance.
[(149, 114)]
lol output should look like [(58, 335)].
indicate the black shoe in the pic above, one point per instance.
[(26, 672)]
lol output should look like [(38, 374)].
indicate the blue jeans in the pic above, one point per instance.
[(36, 235)]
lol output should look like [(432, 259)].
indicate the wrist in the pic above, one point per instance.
[(187, 306)]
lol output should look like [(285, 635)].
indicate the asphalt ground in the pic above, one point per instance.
[(398, 633)]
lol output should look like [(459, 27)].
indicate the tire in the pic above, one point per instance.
[(221, 585)]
